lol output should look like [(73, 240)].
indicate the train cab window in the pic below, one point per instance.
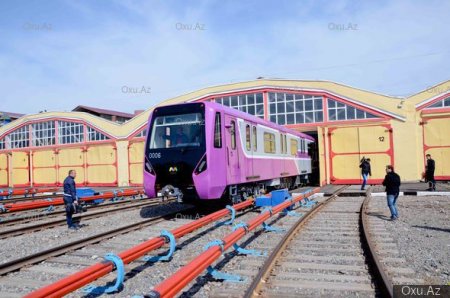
[(233, 135), (294, 147), (217, 132), (269, 142), (255, 139), (247, 137)]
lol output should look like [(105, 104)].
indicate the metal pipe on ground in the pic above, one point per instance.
[(13, 207), (175, 283), (90, 274), (26, 191)]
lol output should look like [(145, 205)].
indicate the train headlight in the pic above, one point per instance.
[(202, 165)]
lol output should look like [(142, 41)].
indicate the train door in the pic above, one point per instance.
[(231, 140), (250, 148)]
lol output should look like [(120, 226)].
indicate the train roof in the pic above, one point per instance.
[(252, 118)]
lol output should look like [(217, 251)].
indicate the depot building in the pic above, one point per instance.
[(348, 124)]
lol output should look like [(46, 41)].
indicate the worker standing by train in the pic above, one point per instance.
[(70, 199)]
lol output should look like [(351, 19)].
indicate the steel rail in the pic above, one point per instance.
[(59, 201), (44, 215), (79, 279), (176, 282), (385, 283), (57, 222), (255, 287), (59, 250)]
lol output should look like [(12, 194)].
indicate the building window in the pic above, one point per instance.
[(2, 144), (70, 132), (251, 103), (142, 134), (255, 139), (288, 108), (441, 104), (19, 138), (43, 133), (95, 135), (337, 111), (217, 132), (248, 141), (269, 142), (233, 135), (294, 147)]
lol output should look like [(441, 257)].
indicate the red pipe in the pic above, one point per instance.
[(175, 283), (90, 274), (27, 191), (20, 206)]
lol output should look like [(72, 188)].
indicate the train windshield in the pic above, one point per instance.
[(181, 130)]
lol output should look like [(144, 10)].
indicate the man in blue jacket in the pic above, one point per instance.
[(70, 199)]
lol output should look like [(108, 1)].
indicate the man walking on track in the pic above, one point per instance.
[(392, 184), (365, 171), (429, 173), (70, 199)]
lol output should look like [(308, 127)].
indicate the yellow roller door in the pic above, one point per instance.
[(101, 162), (4, 170), (349, 144), (44, 168), (20, 169), (71, 159), (437, 144), (135, 157)]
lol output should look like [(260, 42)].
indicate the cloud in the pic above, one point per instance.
[(88, 57)]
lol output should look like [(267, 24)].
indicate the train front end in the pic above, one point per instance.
[(174, 150)]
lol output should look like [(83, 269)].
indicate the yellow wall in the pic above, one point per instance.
[(120, 161)]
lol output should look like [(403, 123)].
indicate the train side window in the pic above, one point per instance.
[(294, 147), (282, 143), (255, 139), (217, 132), (247, 138), (233, 135), (269, 142), (285, 144)]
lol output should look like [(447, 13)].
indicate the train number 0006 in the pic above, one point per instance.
[(154, 155)]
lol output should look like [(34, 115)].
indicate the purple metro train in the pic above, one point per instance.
[(201, 151)]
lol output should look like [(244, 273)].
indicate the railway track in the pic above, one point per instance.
[(37, 270), (112, 207), (34, 215), (19, 263), (325, 253)]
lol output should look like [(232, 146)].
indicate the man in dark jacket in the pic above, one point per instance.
[(429, 173), (365, 171), (392, 183), (70, 199)]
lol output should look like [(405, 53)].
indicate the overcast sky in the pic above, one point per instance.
[(127, 55)]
